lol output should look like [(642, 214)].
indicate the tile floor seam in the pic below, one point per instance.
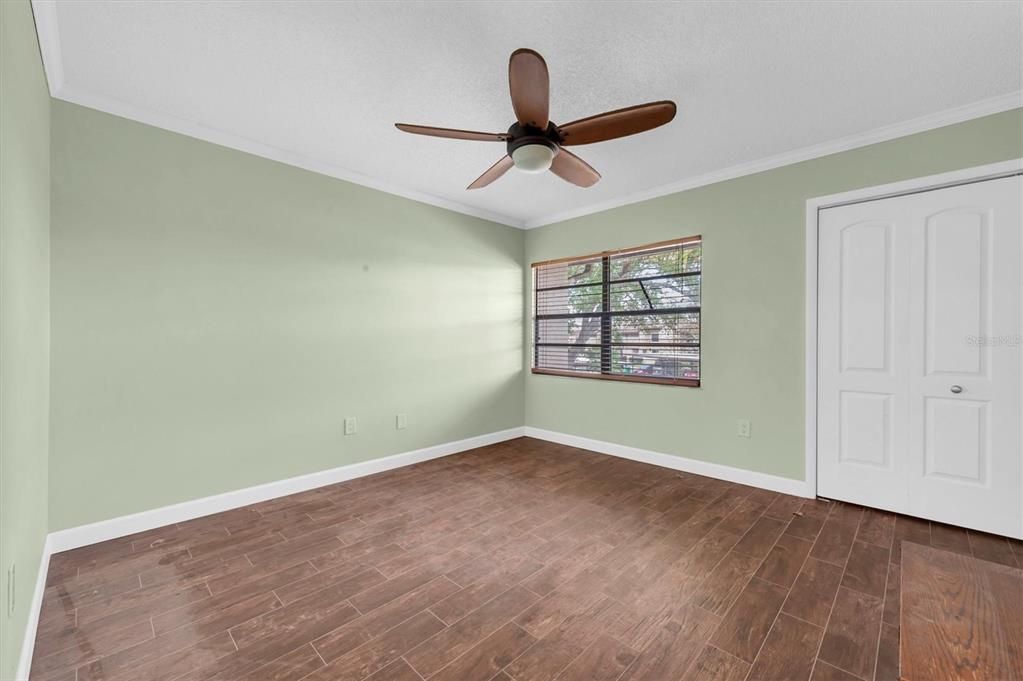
[(503, 624), (473, 646), (778, 614), (880, 630), (827, 623), (414, 671)]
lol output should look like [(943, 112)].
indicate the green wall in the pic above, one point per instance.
[(217, 315), (753, 299), (24, 318)]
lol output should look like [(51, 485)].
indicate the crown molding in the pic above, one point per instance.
[(48, 30), (291, 158), (985, 107), (49, 43)]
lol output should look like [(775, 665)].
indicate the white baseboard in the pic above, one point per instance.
[(75, 537), (742, 476), (93, 533), (28, 644), (84, 535)]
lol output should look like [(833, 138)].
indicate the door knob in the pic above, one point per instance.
[(956, 389)]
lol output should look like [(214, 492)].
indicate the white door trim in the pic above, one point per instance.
[(813, 206)]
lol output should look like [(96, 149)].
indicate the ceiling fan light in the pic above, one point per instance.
[(533, 158)]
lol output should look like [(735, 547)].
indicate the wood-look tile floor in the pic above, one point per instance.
[(962, 618), (520, 561)]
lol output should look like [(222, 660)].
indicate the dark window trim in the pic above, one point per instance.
[(685, 382), (621, 251), (606, 315)]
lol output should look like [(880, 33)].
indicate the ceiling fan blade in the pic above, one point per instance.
[(452, 133), (619, 123), (530, 87), (571, 168), (493, 172)]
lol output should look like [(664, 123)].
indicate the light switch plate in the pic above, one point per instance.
[(401, 421)]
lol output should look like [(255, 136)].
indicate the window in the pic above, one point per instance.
[(627, 315)]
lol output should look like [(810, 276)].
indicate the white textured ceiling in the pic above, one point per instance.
[(321, 84)]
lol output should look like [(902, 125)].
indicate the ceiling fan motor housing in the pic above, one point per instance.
[(522, 135)]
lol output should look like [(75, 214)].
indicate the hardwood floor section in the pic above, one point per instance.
[(962, 618), (521, 561)]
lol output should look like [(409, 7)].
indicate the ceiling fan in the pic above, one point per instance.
[(535, 144)]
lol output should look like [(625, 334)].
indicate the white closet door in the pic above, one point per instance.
[(965, 334), (919, 405), (863, 411)]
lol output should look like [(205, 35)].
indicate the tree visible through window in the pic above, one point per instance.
[(631, 314)]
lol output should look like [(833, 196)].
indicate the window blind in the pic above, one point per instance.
[(631, 314)]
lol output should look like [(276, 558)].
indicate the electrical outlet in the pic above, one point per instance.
[(744, 428), (11, 589), (401, 421), (351, 425)]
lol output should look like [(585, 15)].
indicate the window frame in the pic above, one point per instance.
[(606, 315)]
